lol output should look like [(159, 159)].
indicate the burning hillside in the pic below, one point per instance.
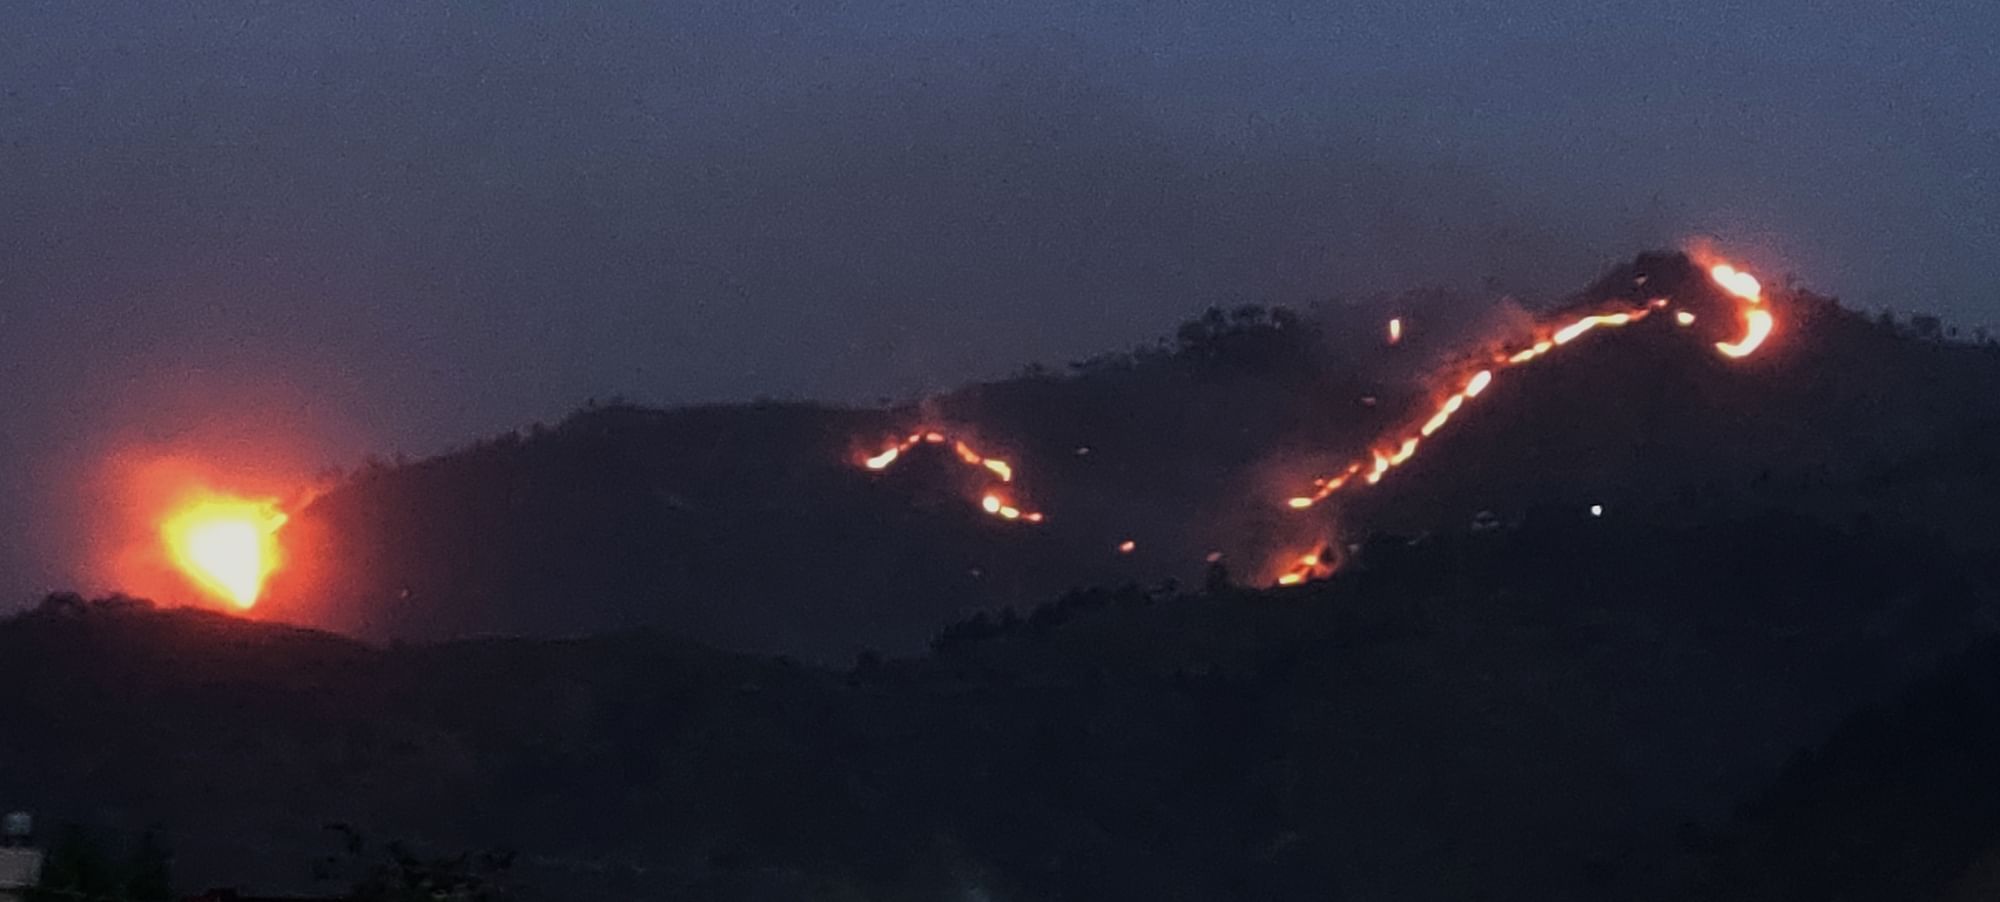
[(1740, 287), (817, 530), (183, 532), (1729, 297), (227, 545)]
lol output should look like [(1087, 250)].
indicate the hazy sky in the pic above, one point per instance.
[(314, 229)]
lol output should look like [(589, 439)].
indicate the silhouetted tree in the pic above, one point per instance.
[(76, 865), (397, 873), (149, 873), (1217, 580)]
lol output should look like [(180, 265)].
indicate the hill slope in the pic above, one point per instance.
[(753, 526), (1518, 715)]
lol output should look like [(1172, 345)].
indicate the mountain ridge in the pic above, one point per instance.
[(755, 527)]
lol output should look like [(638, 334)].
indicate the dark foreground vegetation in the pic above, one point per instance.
[(1723, 632), (1572, 708)]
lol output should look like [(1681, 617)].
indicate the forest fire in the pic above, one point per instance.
[(1737, 288), (1757, 321), (1758, 324), (1315, 564), (226, 545), (993, 501), (182, 528)]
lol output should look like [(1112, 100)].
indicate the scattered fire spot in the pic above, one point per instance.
[(1315, 564), (993, 501)]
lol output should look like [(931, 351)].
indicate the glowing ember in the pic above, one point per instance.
[(1396, 330), (1311, 565), (228, 546), (1127, 546), (1737, 282), (992, 502), (1758, 323)]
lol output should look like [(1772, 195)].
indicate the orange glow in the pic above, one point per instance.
[(1571, 332), (1311, 565), (1478, 383), (1382, 461), (1758, 322), (181, 527), (226, 545), (1397, 448), (1737, 282), (966, 454), (1758, 325)]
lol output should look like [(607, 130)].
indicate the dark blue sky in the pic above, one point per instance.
[(337, 227)]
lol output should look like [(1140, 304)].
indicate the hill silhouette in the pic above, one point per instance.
[(1899, 803), (752, 527), (1451, 718)]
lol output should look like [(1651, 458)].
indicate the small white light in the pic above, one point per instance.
[(1597, 510)]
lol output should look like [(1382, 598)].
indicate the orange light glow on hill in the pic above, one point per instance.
[(1757, 321), (994, 501), (227, 546), (178, 529), (1454, 390), (1390, 452)]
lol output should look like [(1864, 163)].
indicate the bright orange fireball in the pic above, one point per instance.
[(226, 545)]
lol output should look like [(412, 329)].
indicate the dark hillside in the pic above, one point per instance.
[(1522, 714), (753, 527), (1901, 803)]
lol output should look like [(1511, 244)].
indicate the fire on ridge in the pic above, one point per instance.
[(1743, 287), (1740, 287), (997, 499), (226, 545)]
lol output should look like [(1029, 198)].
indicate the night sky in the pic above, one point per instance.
[(305, 231)]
